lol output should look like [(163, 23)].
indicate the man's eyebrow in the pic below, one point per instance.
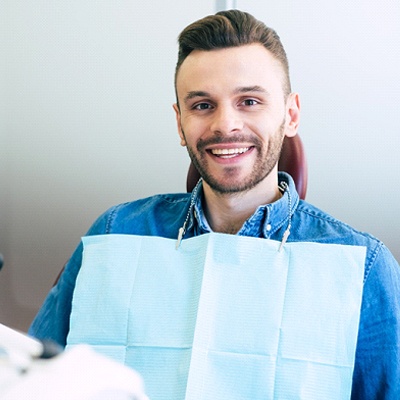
[(242, 89), (249, 89), (196, 93)]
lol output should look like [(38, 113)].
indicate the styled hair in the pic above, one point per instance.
[(231, 28)]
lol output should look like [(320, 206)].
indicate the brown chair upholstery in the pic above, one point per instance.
[(292, 160)]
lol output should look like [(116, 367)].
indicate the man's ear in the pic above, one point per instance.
[(292, 114), (179, 123)]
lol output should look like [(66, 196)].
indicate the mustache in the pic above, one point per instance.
[(203, 143)]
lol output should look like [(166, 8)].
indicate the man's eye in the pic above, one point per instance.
[(202, 106), (250, 102)]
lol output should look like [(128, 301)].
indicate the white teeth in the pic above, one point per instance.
[(222, 152)]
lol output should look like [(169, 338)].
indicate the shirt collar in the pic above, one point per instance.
[(266, 220)]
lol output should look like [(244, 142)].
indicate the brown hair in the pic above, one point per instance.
[(231, 29)]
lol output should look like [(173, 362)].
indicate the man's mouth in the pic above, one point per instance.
[(229, 153)]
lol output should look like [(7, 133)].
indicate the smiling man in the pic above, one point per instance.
[(233, 114), (263, 296)]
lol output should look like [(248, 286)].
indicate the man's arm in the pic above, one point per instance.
[(377, 367), (52, 320)]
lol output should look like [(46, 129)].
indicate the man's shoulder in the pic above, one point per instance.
[(314, 225), (148, 203), (154, 215), (326, 228)]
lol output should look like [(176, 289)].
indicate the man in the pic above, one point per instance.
[(234, 108)]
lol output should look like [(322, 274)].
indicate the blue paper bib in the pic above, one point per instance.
[(224, 316)]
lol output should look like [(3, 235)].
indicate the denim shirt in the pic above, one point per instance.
[(377, 366)]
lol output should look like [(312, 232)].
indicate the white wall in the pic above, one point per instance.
[(86, 118), (345, 61)]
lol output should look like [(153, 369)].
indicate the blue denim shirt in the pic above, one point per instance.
[(377, 366)]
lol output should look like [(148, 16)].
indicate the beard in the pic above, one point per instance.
[(265, 162)]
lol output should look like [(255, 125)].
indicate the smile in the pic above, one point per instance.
[(229, 153)]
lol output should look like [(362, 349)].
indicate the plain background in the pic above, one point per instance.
[(86, 119)]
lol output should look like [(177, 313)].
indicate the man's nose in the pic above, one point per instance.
[(226, 120)]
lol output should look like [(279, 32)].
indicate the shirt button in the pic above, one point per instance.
[(268, 227)]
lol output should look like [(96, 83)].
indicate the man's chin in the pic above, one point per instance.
[(229, 186)]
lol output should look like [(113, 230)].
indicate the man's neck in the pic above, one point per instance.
[(226, 213)]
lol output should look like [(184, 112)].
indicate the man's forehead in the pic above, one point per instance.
[(244, 52), (243, 67)]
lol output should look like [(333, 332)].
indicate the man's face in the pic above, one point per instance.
[(233, 116)]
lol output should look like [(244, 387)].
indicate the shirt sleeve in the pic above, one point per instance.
[(377, 367)]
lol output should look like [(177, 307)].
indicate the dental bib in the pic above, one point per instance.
[(224, 316)]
